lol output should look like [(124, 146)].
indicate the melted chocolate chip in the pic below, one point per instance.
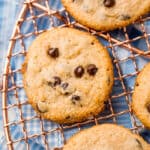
[(92, 43), (57, 81), (64, 85), (53, 52), (92, 69), (125, 17), (148, 108), (75, 97), (109, 3), (139, 144), (79, 71)]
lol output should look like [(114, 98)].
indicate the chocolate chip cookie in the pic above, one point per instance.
[(141, 96), (67, 75), (106, 137), (106, 14)]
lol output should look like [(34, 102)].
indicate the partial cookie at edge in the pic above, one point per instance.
[(141, 96), (97, 15), (106, 137)]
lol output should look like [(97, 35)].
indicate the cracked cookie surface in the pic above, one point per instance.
[(106, 14), (106, 137), (67, 75)]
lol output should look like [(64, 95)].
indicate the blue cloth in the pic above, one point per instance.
[(9, 12)]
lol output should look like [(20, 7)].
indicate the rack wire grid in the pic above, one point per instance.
[(123, 48)]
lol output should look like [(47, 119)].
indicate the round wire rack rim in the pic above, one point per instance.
[(47, 11)]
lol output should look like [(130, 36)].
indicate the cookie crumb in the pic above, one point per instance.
[(41, 107)]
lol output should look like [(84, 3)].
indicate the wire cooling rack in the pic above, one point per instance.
[(125, 50)]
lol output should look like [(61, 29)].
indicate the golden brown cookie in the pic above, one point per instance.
[(67, 75), (106, 14), (141, 96), (106, 137)]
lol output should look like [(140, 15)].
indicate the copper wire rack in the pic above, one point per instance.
[(60, 17)]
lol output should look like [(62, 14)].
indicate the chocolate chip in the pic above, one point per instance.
[(65, 90), (64, 85), (75, 97), (92, 69), (148, 108), (41, 107), (125, 17), (79, 71), (109, 3), (136, 84), (57, 81), (54, 81), (139, 144), (92, 43), (53, 52)]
